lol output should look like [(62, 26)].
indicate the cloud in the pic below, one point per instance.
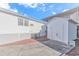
[(39, 6), (31, 5), (65, 10), (42, 7), (53, 13), (15, 10), (7, 6), (46, 8)]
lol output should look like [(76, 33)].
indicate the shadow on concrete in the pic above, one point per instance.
[(56, 45)]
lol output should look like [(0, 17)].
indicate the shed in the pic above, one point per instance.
[(62, 29)]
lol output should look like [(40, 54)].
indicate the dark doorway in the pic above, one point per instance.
[(77, 31)]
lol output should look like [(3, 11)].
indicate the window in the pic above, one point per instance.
[(23, 22), (20, 21), (26, 23), (31, 24)]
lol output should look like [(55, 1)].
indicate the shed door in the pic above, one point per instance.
[(56, 31)]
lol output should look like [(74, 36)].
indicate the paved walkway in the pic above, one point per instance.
[(28, 47)]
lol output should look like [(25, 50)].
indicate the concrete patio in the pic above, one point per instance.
[(28, 47), (56, 45)]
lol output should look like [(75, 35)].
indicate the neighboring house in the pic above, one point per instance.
[(64, 27), (14, 27)]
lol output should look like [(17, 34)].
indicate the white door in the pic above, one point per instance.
[(56, 30)]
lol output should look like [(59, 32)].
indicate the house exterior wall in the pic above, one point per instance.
[(72, 33), (35, 28), (58, 30), (10, 31), (75, 16), (8, 23)]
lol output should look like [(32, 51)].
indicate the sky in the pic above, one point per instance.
[(39, 10)]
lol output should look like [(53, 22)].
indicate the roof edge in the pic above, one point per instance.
[(19, 15), (56, 15)]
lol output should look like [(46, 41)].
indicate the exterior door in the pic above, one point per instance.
[(77, 31)]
